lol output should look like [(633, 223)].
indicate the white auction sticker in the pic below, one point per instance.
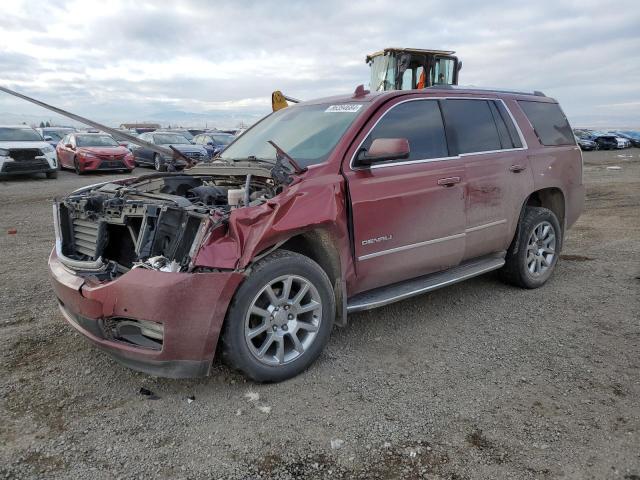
[(347, 107)]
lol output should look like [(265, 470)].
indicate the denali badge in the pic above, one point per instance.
[(377, 240)]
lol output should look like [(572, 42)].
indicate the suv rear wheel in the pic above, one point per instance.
[(533, 255), (280, 319)]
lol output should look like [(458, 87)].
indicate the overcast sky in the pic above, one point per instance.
[(129, 60)]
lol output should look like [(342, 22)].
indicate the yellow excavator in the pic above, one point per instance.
[(401, 69)]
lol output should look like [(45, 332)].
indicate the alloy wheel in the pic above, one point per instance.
[(283, 320), (541, 249)]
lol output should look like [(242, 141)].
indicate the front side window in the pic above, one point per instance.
[(549, 123), (420, 122), (308, 133), (470, 126)]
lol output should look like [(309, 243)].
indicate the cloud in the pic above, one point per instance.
[(135, 58)]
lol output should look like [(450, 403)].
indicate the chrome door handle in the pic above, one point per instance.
[(449, 181), (517, 168)]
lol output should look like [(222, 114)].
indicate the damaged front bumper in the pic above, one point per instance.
[(160, 323)]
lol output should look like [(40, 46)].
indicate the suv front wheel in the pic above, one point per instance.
[(534, 253), (280, 319)]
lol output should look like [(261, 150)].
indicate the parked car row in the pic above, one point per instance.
[(606, 140), (25, 150)]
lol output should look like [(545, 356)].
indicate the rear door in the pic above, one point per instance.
[(482, 133), (408, 215)]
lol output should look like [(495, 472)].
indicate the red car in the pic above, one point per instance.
[(324, 208), (86, 152)]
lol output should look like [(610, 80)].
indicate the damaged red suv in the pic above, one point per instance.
[(321, 209)]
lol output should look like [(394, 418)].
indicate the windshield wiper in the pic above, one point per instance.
[(281, 154)]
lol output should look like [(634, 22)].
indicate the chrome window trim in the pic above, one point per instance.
[(438, 159)]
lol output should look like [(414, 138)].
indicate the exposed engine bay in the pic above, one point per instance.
[(155, 222)]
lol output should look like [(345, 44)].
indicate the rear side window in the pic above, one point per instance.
[(470, 126), (418, 121), (549, 123)]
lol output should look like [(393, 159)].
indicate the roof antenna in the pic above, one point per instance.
[(360, 91)]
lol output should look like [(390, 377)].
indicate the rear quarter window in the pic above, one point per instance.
[(549, 123)]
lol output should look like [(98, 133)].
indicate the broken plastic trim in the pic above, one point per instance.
[(97, 265)]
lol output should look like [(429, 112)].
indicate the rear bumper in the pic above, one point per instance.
[(575, 204), (190, 307)]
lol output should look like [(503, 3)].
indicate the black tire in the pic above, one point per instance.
[(52, 175), (235, 346), (516, 270), (76, 167), (159, 164)]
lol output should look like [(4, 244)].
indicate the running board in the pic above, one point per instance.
[(382, 296)]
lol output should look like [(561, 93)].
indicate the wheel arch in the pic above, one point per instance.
[(319, 245), (552, 198)]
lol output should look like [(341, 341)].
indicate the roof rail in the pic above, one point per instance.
[(537, 93)]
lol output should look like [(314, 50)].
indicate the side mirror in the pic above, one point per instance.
[(384, 149), (123, 144), (210, 143), (68, 145), (47, 138)]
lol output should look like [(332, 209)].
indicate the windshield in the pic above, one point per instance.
[(185, 133), (382, 70), (307, 132), (96, 141), (223, 139), (55, 135), (19, 135), (170, 138)]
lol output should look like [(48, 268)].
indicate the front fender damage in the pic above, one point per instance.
[(248, 232)]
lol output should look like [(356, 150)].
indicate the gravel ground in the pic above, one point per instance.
[(479, 380)]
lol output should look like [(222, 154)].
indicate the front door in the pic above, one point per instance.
[(65, 155), (408, 215)]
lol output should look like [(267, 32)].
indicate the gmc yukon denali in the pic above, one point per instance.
[(321, 209)]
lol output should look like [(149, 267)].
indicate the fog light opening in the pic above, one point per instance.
[(140, 333)]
